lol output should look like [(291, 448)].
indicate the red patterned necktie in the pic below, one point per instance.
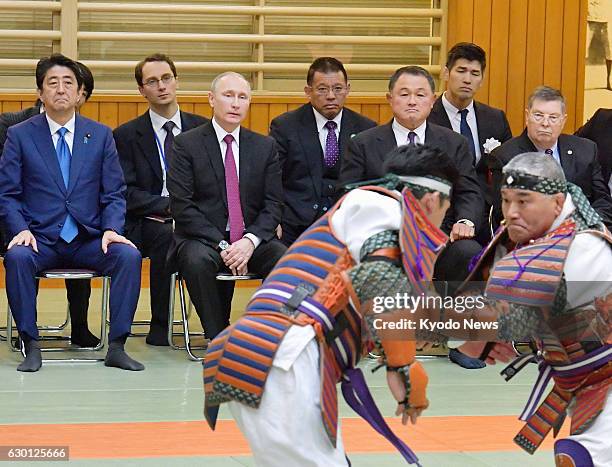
[(232, 187)]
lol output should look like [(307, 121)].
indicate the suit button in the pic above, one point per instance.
[(60, 225), (67, 203), (331, 187), (325, 209), (315, 206)]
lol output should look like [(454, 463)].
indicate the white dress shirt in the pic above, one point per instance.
[(455, 119), (69, 136), (321, 121), (401, 133), (221, 133), (158, 122)]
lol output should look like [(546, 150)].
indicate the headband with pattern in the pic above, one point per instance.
[(521, 181)]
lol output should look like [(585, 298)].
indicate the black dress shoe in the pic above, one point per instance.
[(157, 336)]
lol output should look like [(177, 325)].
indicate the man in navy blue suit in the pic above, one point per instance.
[(62, 201)]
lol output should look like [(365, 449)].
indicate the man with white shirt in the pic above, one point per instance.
[(311, 140), (62, 202), (144, 145), (545, 118), (226, 200), (481, 124)]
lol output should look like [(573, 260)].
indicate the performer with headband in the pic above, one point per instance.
[(553, 285), (305, 328)]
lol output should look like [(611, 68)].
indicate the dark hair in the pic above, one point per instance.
[(46, 63), (88, 80), (421, 160), (325, 65), (157, 57), (412, 70), (468, 51)]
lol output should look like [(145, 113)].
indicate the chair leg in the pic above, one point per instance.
[(185, 317)]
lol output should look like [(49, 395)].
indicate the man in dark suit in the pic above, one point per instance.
[(545, 117), (144, 145), (62, 202), (599, 130), (483, 126), (226, 199), (77, 291), (311, 140)]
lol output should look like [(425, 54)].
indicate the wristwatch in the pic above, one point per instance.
[(467, 222), (223, 245)]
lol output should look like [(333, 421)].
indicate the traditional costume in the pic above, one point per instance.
[(557, 291), (304, 329)]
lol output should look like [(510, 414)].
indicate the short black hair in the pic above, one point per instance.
[(157, 57), (468, 51), (412, 70), (325, 65), (46, 63), (421, 160), (88, 80)]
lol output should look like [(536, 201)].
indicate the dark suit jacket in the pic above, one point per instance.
[(580, 165), (301, 158), (196, 182), (492, 123), (142, 169), (32, 191), (8, 119), (366, 153), (599, 129)]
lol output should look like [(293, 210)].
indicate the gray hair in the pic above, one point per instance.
[(535, 163), (547, 94), (215, 82)]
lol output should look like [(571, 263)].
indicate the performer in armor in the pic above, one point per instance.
[(553, 284), (304, 330)]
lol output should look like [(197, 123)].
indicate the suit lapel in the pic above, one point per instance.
[(145, 140), (309, 136), (79, 151), (440, 114), (187, 122), (211, 147), (44, 143), (386, 140), (567, 156), (244, 167)]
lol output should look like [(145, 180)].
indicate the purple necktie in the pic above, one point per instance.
[(332, 151), (412, 138), (549, 152), (232, 188), (168, 141)]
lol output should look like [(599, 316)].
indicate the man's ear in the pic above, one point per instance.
[(445, 74), (430, 201), (559, 201)]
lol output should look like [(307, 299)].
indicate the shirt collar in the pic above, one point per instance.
[(221, 132), (158, 121), (54, 126), (450, 108), (321, 120), (402, 130)]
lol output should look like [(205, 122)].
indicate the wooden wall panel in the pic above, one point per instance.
[(482, 36), (498, 57), (517, 65)]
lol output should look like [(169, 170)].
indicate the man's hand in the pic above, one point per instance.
[(110, 236), (24, 238), (501, 351), (237, 256), (461, 231)]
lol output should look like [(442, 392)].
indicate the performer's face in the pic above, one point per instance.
[(434, 207), (528, 214), (327, 93), (411, 100)]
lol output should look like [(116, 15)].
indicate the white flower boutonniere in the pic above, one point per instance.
[(490, 144)]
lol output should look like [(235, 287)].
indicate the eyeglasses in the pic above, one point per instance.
[(336, 90), (166, 79), (539, 117)]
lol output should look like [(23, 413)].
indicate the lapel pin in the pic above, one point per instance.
[(570, 152), (353, 135), (86, 138)]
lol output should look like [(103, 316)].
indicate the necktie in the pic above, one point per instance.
[(168, 126), (232, 188), (412, 138), (332, 151), (70, 229), (465, 131), (549, 152)]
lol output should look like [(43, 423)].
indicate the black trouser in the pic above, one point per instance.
[(154, 242), (78, 292), (199, 264)]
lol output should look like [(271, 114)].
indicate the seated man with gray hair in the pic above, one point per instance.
[(554, 285)]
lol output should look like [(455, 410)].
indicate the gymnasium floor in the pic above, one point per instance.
[(154, 418)]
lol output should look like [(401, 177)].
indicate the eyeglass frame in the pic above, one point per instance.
[(539, 117), (166, 79), (335, 90)]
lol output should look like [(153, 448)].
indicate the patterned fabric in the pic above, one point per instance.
[(386, 239), (522, 181), (585, 216), (332, 150), (232, 187)]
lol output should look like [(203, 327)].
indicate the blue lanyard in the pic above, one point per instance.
[(161, 151)]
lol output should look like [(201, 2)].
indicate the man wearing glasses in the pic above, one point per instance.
[(311, 140), (545, 117), (144, 145)]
